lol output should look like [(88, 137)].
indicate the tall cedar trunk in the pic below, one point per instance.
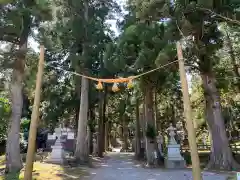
[(108, 132), (13, 158), (106, 136), (221, 155), (82, 147), (78, 94), (90, 141), (125, 132), (104, 117), (91, 129), (101, 125), (77, 109), (81, 151), (137, 133), (174, 120), (149, 120), (236, 72), (155, 108)]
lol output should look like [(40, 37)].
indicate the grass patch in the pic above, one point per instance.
[(45, 171), (232, 178), (2, 160)]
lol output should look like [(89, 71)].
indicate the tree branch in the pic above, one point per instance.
[(8, 34), (192, 66), (220, 16), (9, 38)]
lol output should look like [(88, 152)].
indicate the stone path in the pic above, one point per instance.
[(119, 166)]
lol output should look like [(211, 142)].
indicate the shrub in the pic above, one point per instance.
[(25, 124), (151, 132), (5, 110)]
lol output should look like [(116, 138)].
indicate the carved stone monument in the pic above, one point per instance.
[(174, 158), (57, 154), (205, 138)]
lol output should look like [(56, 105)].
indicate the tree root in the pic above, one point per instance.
[(229, 166)]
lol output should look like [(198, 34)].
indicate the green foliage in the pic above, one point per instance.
[(5, 111), (18, 18), (3, 2), (187, 158), (151, 132), (145, 42), (25, 124)]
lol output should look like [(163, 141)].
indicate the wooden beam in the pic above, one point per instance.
[(34, 119), (188, 116)]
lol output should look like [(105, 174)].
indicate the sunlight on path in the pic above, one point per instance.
[(120, 167)]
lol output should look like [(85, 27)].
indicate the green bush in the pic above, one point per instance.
[(151, 132), (232, 178), (5, 111), (25, 123), (187, 157)]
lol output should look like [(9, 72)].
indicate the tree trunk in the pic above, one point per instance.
[(108, 144), (101, 125), (137, 133), (91, 130), (77, 109), (104, 118), (125, 133), (106, 141), (90, 141), (102, 121), (13, 158), (221, 155), (81, 152), (149, 119), (82, 147), (155, 108), (77, 94)]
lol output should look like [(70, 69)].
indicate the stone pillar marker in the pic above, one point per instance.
[(57, 154), (174, 158)]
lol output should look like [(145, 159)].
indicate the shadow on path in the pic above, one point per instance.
[(121, 166)]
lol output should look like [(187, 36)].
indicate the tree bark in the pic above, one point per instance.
[(13, 158), (221, 155), (82, 147), (77, 109), (108, 137), (137, 133), (149, 119), (81, 151), (104, 118), (155, 108), (77, 94), (106, 141), (101, 129), (91, 129), (125, 133)]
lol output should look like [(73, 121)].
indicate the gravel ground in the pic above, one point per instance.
[(119, 166)]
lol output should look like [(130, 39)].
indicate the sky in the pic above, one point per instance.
[(33, 44), (113, 25)]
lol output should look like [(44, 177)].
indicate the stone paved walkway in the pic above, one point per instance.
[(119, 166)]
